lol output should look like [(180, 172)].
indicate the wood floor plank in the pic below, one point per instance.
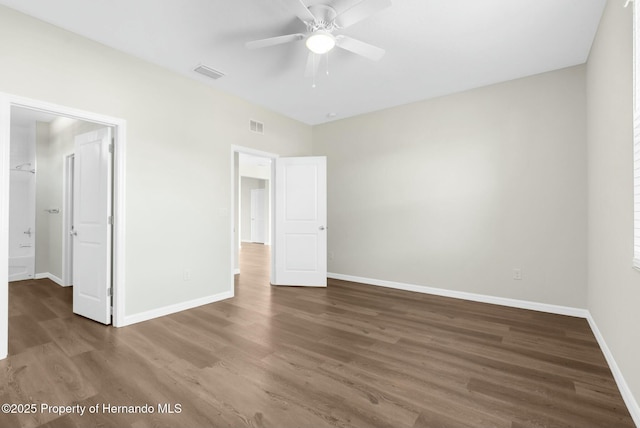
[(565, 412), (71, 340), (436, 420), (30, 303), (172, 341), (249, 399), (313, 391), (423, 394), (25, 332), (349, 355), (44, 374)]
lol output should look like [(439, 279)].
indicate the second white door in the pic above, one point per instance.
[(301, 221), (91, 229)]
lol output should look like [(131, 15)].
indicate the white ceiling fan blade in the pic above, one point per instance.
[(313, 62), (272, 41), (360, 11), (301, 11), (361, 48)]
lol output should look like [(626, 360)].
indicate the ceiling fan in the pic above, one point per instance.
[(321, 21)]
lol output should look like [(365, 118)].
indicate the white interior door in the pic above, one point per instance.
[(258, 220), (301, 221), (91, 229)]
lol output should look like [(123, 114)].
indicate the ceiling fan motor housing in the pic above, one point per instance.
[(324, 18)]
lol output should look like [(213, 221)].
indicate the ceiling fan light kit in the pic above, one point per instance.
[(321, 42), (321, 21)]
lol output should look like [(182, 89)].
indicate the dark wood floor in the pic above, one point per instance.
[(349, 355)]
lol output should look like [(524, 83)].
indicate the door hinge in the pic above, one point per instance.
[(111, 147), (109, 292), (110, 220)]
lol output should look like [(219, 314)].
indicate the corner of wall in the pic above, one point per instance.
[(613, 286)]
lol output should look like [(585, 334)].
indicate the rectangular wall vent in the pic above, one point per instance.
[(257, 127), (208, 71)]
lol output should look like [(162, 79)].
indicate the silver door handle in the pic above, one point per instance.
[(321, 228), (73, 233)]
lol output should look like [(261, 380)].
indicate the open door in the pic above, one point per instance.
[(91, 229), (301, 221)]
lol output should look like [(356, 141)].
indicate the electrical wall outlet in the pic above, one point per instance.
[(517, 274), (186, 275), (330, 256)]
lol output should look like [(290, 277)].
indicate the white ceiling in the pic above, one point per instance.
[(433, 47)]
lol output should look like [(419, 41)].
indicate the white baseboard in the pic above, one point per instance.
[(172, 309), (522, 304), (627, 395), (51, 277)]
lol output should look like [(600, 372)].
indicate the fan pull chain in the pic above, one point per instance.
[(315, 58), (313, 85), (327, 62)]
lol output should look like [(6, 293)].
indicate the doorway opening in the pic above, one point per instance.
[(252, 204), (55, 158), (41, 189), (298, 218), (254, 199)]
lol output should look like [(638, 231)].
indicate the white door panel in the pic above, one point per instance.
[(91, 229), (257, 216), (301, 218)]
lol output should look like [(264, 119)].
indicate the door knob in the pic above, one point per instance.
[(321, 228), (73, 233)]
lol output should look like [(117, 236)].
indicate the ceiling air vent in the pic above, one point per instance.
[(208, 71), (257, 127)]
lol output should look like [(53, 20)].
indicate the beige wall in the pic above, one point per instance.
[(255, 171), (614, 286), (179, 137), (457, 191)]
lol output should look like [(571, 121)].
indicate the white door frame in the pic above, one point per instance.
[(67, 223), (118, 268), (240, 149)]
